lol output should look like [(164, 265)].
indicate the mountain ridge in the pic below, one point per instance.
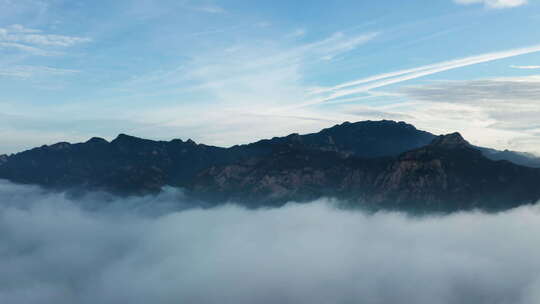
[(383, 163), (446, 175)]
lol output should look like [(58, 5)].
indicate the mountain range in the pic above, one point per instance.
[(369, 164)]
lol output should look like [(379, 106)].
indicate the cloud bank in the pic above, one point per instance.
[(56, 249)]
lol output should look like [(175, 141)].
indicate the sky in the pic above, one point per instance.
[(231, 72)]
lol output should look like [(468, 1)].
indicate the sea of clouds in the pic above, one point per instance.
[(57, 248)]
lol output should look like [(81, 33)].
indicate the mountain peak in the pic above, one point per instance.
[(384, 122), (124, 138), (97, 140), (452, 140)]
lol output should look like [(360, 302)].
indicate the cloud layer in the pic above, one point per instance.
[(56, 249)]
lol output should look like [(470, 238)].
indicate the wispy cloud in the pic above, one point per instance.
[(259, 86), (17, 28), (245, 83), (27, 49), (526, 67), (338, 43), (296, 33), (26, 72), (34, 41), (251, 61), (21, 34), (381, 80), (210, 8), (494, 3)]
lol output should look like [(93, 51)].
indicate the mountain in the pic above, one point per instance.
[(450, 174), (375, 164), (131, 165), (366, 139), (446, 175), (126, 165)]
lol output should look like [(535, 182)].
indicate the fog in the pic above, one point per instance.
[(56, 248)]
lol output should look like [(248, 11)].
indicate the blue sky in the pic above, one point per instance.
[(230, 72)]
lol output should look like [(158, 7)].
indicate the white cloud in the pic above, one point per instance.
[(526, 67), (494, 3)]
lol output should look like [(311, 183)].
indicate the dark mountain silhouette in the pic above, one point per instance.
[(446, 175), (450, 174), (366, 139), (131, 165), (375, 164)]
